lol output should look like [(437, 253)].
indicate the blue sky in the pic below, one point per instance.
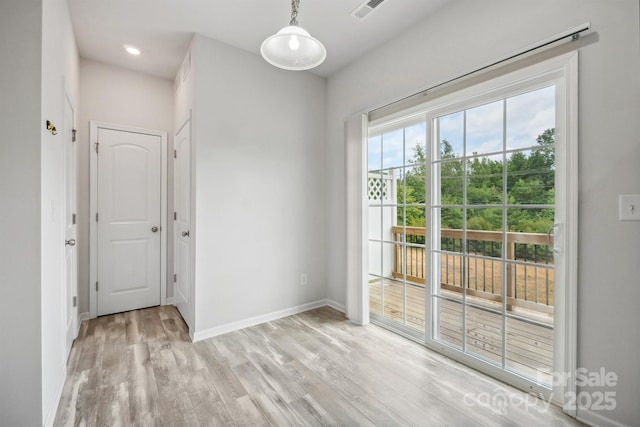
[(393, 147), (528, 115)]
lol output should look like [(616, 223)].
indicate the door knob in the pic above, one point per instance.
[(185, 233), (154, 229), (70, 242)]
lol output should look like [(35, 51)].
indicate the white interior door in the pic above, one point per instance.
[(182, 238), (129, 175), (70, 231)]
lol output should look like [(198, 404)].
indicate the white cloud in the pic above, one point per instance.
[(484, 128), (451, 129), (528, 115), (391, 146), (392, 149)]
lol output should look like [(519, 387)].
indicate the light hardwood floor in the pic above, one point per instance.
[(316, 368)]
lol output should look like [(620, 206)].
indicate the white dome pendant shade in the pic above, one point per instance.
[(293, 48)]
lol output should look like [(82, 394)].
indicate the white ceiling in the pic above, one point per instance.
[(162, 29)]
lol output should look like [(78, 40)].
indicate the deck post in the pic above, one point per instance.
[(511, 273)]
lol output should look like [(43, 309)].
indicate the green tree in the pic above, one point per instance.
[(451, 173), (413, 190), (530, 180)]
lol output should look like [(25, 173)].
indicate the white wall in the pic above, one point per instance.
[(20, 90), (259, 186), (117, 95), (469, 33), (40, 57), (59, 75)]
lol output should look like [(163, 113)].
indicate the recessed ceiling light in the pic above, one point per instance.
[(132, 50)]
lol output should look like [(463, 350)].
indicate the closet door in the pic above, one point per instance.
[(182, 222)]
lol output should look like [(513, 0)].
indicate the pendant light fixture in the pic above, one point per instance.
[(293, 48)]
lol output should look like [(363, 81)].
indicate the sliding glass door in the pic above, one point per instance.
[(397, 202), (492, 215), (469, 222)]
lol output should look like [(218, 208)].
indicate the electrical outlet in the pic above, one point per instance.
[(303, 279), (629, 207)]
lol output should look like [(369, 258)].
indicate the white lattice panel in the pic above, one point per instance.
[(378, 187)]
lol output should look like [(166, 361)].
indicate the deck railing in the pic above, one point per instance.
[(475, 264)]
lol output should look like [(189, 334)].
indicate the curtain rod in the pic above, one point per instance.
[(573, 32)]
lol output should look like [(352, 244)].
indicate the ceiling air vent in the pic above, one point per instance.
[(365, 9)]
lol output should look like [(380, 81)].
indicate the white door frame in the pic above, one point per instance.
[(74, 294), (93, 209)]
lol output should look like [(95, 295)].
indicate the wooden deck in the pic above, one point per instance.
[(529, 348)]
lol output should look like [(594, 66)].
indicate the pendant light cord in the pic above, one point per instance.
[(295, 5)]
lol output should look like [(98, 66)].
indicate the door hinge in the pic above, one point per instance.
[(97, 144), (96, 286), (75, 301), (175, 278), (175, 154), (175, 215), (74, 136), (73, 219), (96, 216)]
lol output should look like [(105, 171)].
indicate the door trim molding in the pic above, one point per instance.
[(357, 240), (93, 203), (68, 99)]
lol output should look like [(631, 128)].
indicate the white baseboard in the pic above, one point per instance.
[(594, 418), (53, 407), (82, 317), (171, 301), (336, 305), (252, 321)]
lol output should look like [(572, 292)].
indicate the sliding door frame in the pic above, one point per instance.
[(562, 71)]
